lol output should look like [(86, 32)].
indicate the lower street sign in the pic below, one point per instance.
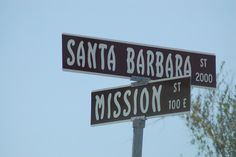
[(161, 97)]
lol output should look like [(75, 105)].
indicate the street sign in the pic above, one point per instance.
[(159, 97), (125, 59)]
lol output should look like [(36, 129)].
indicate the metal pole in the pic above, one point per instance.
[(138, 122), (138, 125)]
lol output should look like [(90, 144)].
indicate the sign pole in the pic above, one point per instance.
[(138, 122), (138, 125)]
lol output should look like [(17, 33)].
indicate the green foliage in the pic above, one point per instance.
[(212, 119)]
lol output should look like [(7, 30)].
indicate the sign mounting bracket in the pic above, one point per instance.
[(139, 81)]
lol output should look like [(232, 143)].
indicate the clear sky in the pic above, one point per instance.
[(45, 112)]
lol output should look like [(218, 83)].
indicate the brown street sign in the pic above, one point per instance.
[(125, 59), (159, 97)]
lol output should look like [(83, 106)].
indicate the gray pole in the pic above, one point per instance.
[(138, 125), (138, 122)]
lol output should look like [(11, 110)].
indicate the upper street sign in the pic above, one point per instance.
[(160, 97), (124, 59)]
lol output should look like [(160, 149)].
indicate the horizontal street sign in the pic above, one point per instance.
[(160, 97), (125, 59)]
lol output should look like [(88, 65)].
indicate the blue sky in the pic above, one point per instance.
[(45, 112)]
